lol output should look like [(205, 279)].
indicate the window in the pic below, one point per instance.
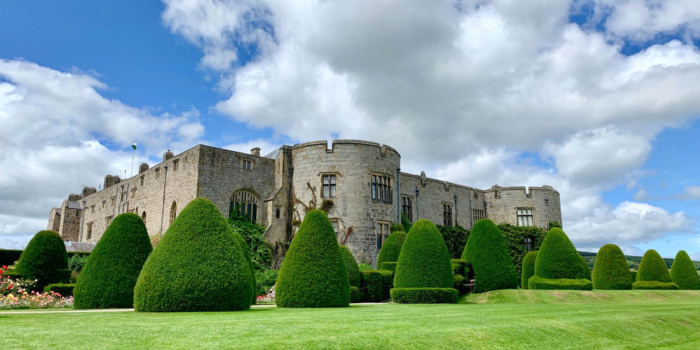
[(142, 177), (476, 195), (77, 213), (175, 164), (245, 203), (407, 208), (247, 164), (328, 184), (524, 217), (104, 204), (382, 233), (157, 172), (447, 215), (114, 201), (498, 194), (108, 220), (277, 214), (381, 188), (133, 192), (478, 214), (123, 196), (334, 222), (173, 212), (546, 202), (528, 244), (89, 230), (92, 209)]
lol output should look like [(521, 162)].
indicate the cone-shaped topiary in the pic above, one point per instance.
[(351, 266), (45, 260), (683, 272), (424, 273), (653, 273), (528, 268), (110, 273), (197, 266), (313, 273), (610, 270), (246, 253), (489, 258), (557, 257), (585, 269), (391, 248)]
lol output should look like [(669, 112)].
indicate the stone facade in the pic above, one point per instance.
[(358, 183)]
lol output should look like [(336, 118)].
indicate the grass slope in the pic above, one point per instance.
[(672, 322)]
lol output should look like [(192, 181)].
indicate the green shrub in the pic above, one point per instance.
[(64, 275), (610, 270), (388, 266), (456, 238), (391, 248), (633, 276), (77, 262), (372, 289), (355, 295), (424, 264), (424, 295), (350, 266), (557, 257), (13, 274), (197, 266), (653, 268), (259, 250), (528, 268), (654, 285), (246, 254), (396, 228), (313, 273), (460, 267), (266, 279), (487, 254), (44, 259), (65, 290), (387, 283), (108, 279), (9, 256), (536, 282), (459, 284), (683, 272), (364, 267), (406, 223), (515, 237), (585, 269)]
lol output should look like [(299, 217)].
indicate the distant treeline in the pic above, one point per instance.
[(632, 261)]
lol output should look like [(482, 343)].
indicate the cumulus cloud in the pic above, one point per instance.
[(56, 126)]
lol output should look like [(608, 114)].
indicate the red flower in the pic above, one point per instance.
[(10, 287), (4, 267)]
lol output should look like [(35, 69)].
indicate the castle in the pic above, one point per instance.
[(358, 183)]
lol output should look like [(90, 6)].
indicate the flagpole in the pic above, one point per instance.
[(133, 146)]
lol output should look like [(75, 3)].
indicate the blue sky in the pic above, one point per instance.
[(601, 103)]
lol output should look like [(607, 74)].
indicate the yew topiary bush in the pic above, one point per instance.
[(559, 265), (313, 273), (45, 260), (486, 252), (683, 272), (391, 248), (536, 282), (246, 254), (197, 266), (424, 273), (611, 270), (653, 273), (528, 268), (109, 277), (350, 266)]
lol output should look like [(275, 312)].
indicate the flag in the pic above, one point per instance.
[(133, 145)]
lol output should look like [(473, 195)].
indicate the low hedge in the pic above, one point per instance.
[(13, 274), (63, 289), (460, 267), (528, 268), (654, 285), (355, 295), (424, 295), (387, 266), (387, 283), (9, 256), (371, 287), (683, 272), (536, 282)]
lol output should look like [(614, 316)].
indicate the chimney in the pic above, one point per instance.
[(255, 151)]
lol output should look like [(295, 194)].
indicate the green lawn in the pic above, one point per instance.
[(499, 320)]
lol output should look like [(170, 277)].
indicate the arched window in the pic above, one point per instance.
[(244, 203), (173, 212), (143, 217)]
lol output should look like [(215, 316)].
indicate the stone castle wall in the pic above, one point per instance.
[(503, 203), (69, 225), (54, 220)]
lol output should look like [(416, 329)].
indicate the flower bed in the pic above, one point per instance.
[(14, 294)]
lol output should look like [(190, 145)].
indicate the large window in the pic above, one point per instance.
[(382, 233), (245, 203), (447, 215), (381, 188), (328, 183), (478, 214), (524, 217), (407, 208)]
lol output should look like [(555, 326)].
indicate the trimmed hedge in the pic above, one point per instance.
[(391, 248), (108, 278), (396, 228), (558, 258), (611, 270), (246, 253), (45, 260), (654, 285), (372, 289), (424, 263), (313, 273), (528, 268), (387, 283), (683, 272), (633, 276), (460, 267), (355, 295), (9, 256), (486, 252), (388, 266), (351, 267), (536, 282), (653, 268), (585, 269), (65, 290), (197, 266), (424, 295)]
